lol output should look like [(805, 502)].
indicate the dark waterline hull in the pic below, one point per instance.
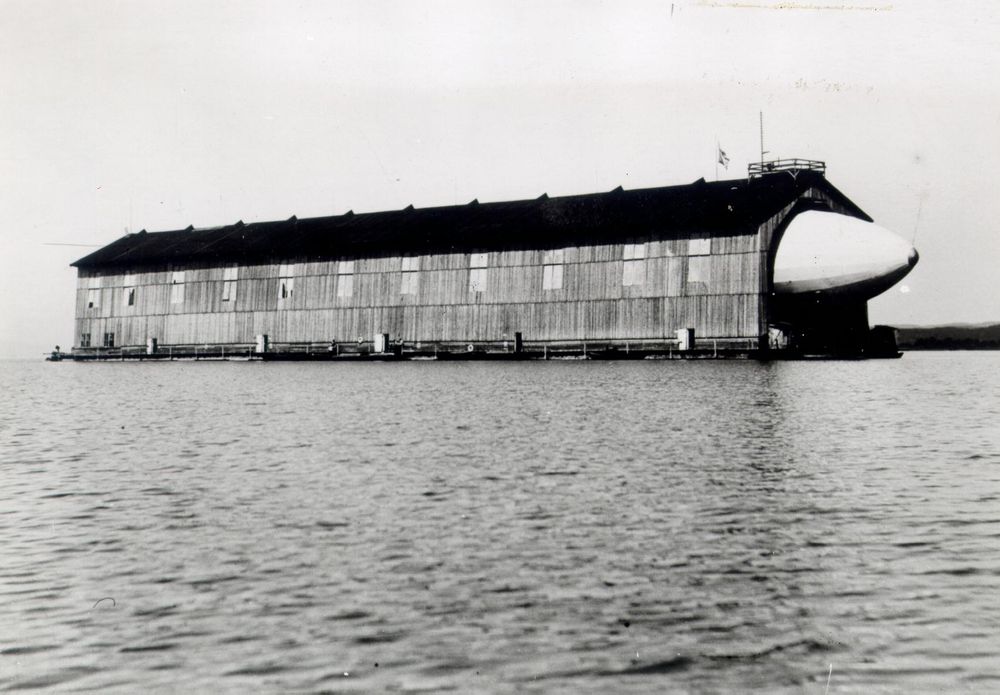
[(467, 356)]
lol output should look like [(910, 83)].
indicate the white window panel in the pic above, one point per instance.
[(286, 286), (409, 284), (229, 275), (700, 271), (177, 292), (477, 280), (411, 263), (177, 277), (130, 280), (345, 279), (553, 257), (699, 246), (633, 273), (479, 260), (286, 270), (635, 251), (552, 277), (345, 285), (95, 283)]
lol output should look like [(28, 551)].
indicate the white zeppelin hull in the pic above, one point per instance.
[(828, 253)]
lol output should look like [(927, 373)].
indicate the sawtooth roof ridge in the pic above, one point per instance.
[(720, 207)]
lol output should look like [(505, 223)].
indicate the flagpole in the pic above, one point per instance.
[(762, 140)]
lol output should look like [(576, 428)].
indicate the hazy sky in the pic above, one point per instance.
[(157, 115)]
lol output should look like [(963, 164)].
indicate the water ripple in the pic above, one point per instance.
[(552, 527)]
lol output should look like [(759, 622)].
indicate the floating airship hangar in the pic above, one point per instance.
[(778, 264)]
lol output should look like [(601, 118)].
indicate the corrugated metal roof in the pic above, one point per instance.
[(720, 207)]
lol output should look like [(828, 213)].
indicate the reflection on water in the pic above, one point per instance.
[(532, 527)]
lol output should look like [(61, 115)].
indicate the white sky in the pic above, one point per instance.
[(158, 115)]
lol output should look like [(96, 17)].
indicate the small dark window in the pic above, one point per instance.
[(109, 340), (85, 340), (286, 284), (129, 296)]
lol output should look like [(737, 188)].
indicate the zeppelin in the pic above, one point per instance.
[(824, 252)]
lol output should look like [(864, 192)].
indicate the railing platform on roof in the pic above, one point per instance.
[(792, 166)]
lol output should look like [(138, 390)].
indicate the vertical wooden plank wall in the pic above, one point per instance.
[(722, 300)]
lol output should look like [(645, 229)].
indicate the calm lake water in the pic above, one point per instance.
[(548, 527)]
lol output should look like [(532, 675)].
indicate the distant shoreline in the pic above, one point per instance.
[(923, 348), (982, 337)]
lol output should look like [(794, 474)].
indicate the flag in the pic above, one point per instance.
[(723, 158)]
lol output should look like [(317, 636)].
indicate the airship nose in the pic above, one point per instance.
[(837, 254)]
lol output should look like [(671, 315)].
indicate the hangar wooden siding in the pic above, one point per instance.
[(708, 283)]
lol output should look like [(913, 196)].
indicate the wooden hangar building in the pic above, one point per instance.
[(681, 270)]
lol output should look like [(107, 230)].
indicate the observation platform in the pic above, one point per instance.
[(780, 166)]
